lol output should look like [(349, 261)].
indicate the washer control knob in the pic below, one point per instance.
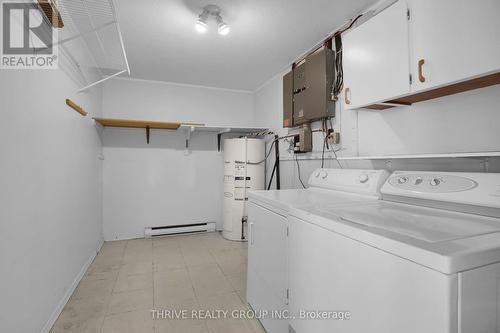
[(402, 180), (435, 181), (324, 174), (363, 178), (418, 181)]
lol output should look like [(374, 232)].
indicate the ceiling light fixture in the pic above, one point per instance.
[(222, 27), (202, 21)]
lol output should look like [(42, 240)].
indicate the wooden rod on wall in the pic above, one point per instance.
[(76, 107), (49, 9)]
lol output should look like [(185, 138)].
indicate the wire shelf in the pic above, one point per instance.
[(91, 43)]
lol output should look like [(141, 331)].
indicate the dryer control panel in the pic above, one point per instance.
[(432, 183), (366, 182), (479, 189)]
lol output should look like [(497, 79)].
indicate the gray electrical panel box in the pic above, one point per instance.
[(299, 78), (309, 85), (299, 94), (288, 100), (319, 81)]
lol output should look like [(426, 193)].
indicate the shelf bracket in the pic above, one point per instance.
[(219, 139), (388, 164), (148, 134), (485, 163), (190, 130)]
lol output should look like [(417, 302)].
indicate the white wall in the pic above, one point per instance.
[(50, 195), (157, 184), (151, 100), (466, 122), (269, 113)]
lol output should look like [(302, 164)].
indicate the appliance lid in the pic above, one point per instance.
[(326, 186), (426, 224), (310, 197), (446, 241), (279, 199)]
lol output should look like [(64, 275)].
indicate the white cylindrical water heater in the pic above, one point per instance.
[(243, 172)]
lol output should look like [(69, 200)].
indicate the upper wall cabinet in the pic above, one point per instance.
[(376, 58), (453, 40), (416, 50)]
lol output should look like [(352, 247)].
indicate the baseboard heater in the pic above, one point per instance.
[(179, 229)]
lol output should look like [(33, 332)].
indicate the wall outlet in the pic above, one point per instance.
[(333, 137)]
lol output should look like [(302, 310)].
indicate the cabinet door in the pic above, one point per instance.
[(376, 58), (267, 265), (453, 40)]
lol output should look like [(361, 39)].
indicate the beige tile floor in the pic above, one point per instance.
[(128, 279)]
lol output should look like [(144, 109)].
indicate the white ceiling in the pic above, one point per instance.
[(266, 35)]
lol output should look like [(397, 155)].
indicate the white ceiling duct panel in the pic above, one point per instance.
[(90, 42)]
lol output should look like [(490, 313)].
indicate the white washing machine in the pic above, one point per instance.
[(424, 259), (267, 280)]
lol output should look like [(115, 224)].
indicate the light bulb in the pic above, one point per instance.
[(223, 29), (201, 26)]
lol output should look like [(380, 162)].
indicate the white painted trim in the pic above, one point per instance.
[(184, 85), (57, 311), (444, 155), (312, 158), (127, 237), (479, 155)]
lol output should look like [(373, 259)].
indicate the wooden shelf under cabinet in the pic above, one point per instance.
[(455, 88)]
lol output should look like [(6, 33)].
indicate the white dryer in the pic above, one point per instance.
[(267, 282), (424, 259)]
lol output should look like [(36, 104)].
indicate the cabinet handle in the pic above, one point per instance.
[(421, 77), (251, 232), (347, 100)]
